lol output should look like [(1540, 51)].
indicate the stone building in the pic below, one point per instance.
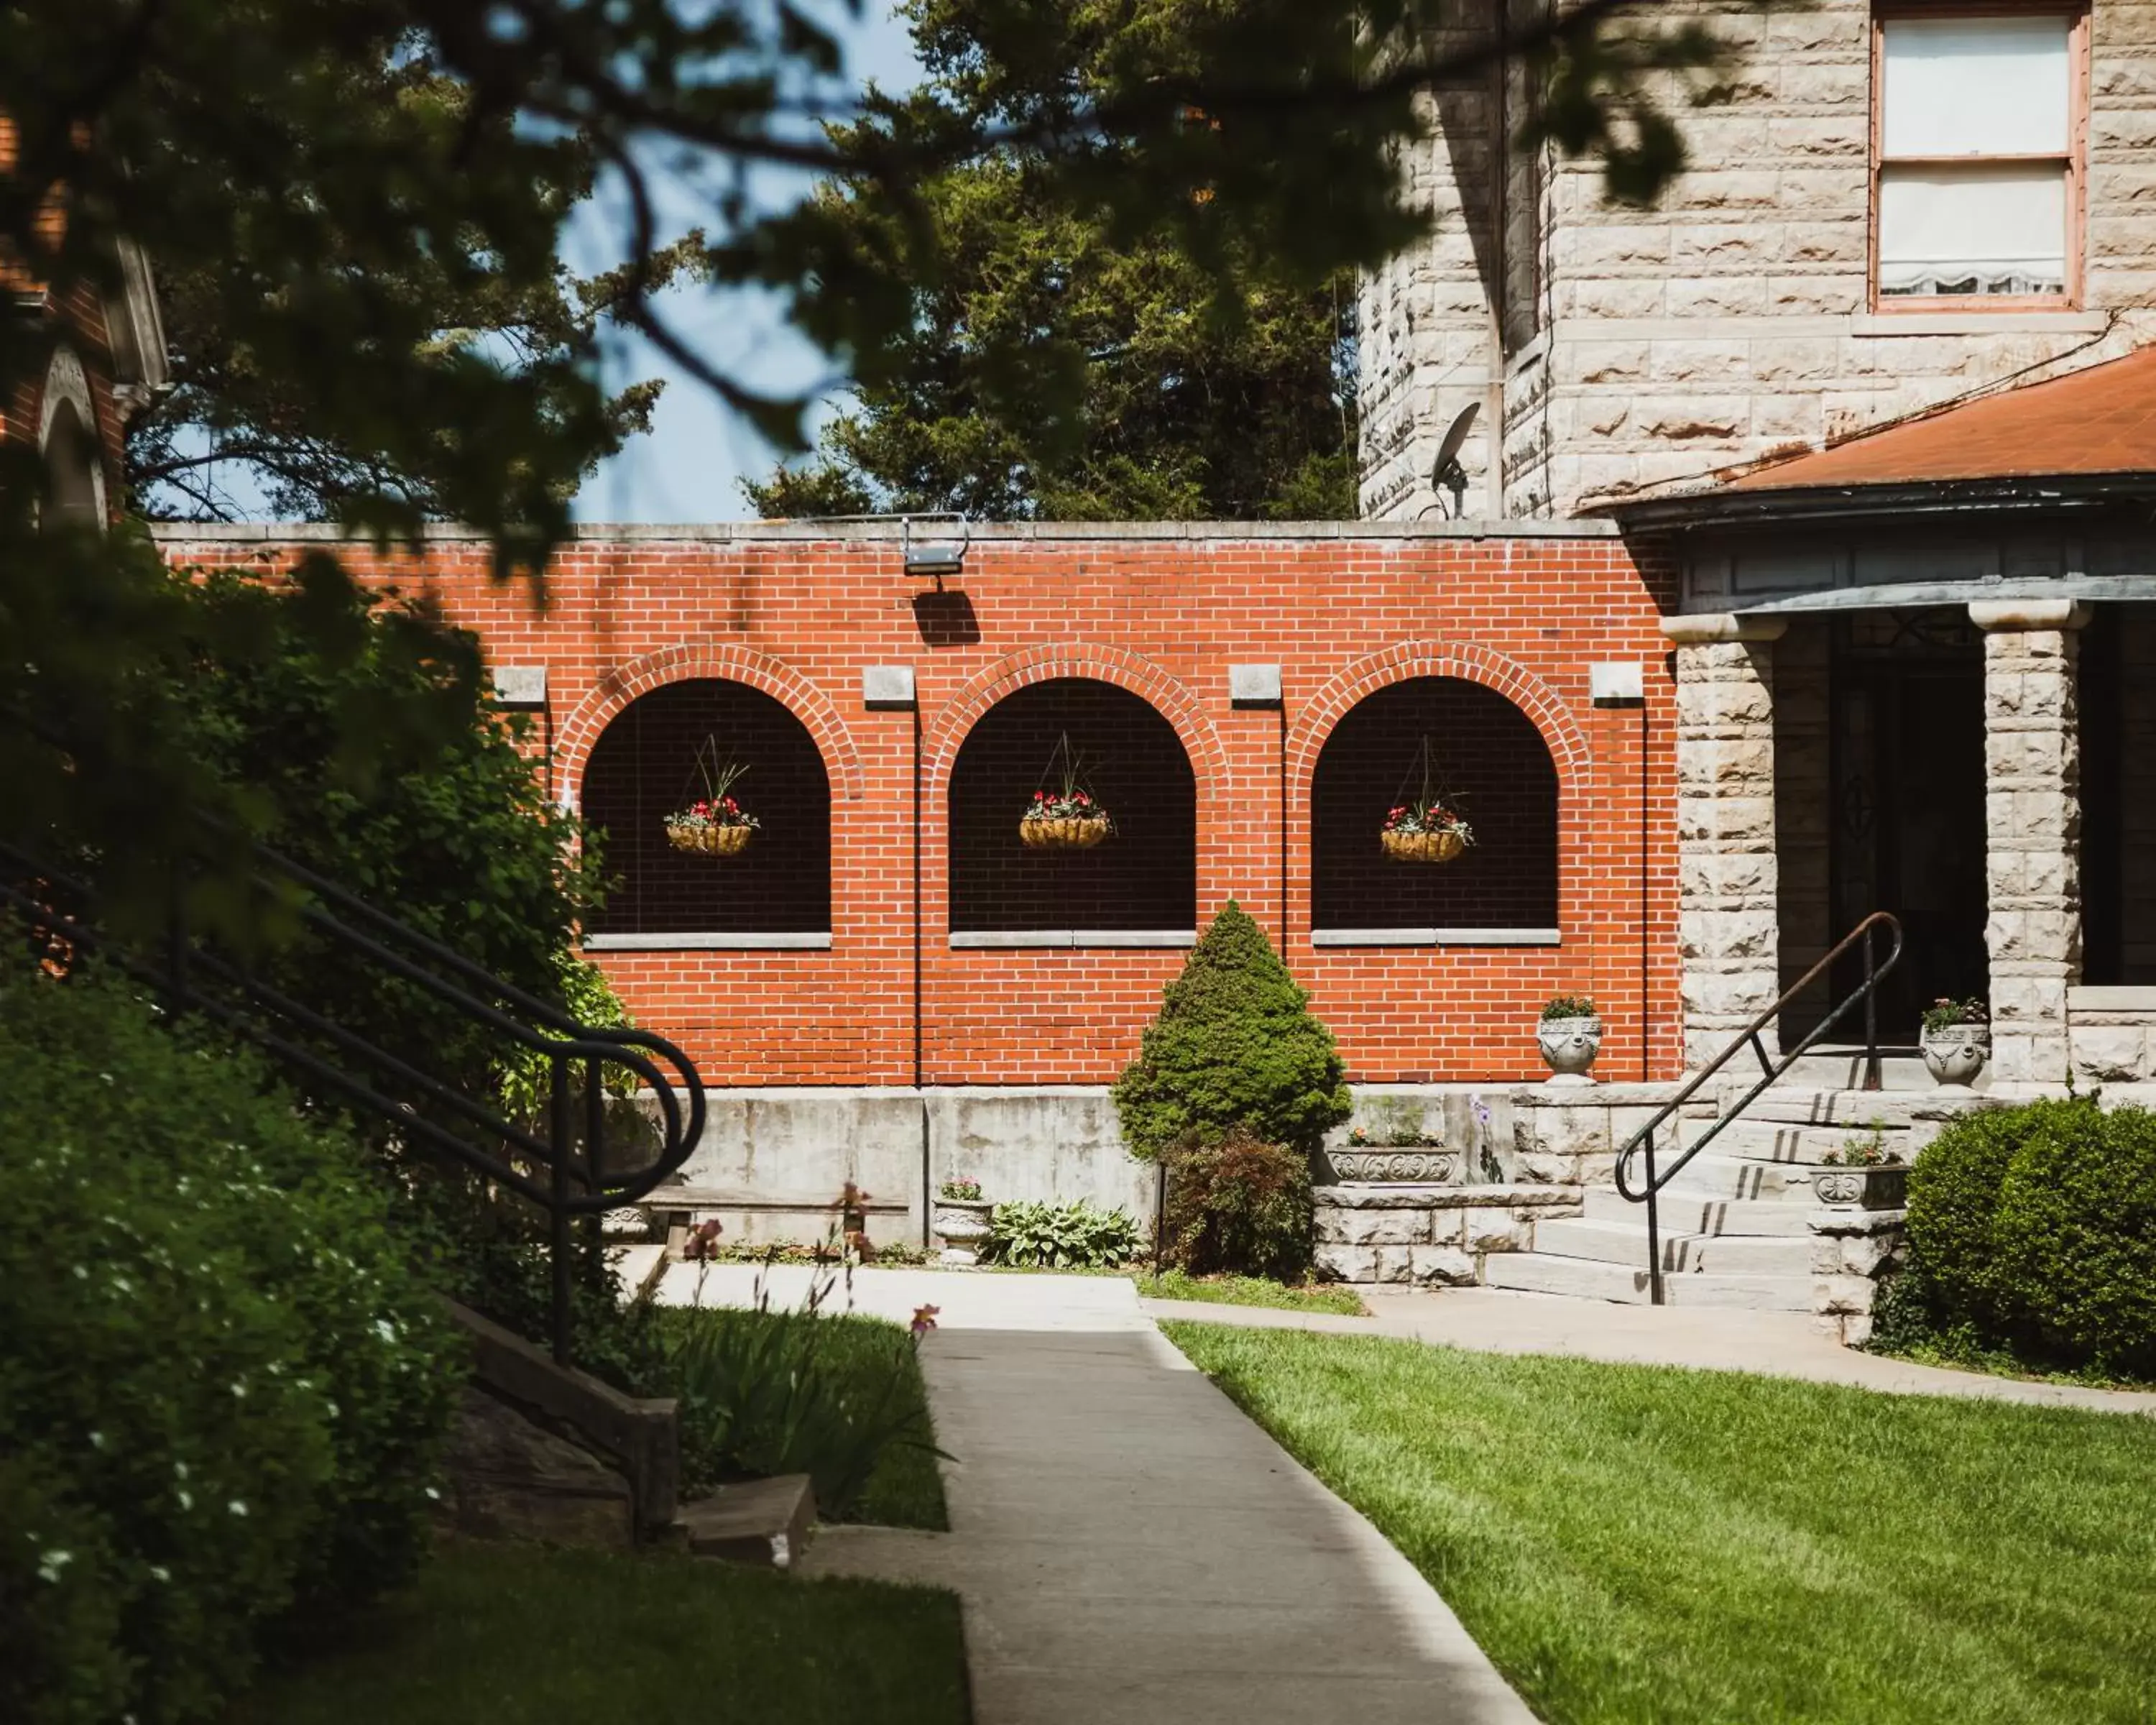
[(1898, 206)]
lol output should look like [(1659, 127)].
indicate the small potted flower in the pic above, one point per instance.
[(1569, 1037), (714, 824), (1068, 817), (962, 1220), (1956, 1040), (1420, 833), (1862, 1174)]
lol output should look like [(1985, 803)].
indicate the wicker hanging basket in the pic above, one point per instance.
[(710, 841), (1438, 847), (1065, 832)]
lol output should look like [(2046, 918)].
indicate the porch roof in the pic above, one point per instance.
[(2087, 438)]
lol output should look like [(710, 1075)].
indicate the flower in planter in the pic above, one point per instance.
[(962, 1191), (1947, 1015), (1569, 1006), (1434, 818), (716, 822)]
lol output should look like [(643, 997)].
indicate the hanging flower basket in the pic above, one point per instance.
[(1064, 832), (1065, 819), (1427, 828), (1438, 847), (684, 832), (1430, 835), (714, 824)]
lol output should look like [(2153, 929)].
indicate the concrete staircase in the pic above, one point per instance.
[(1735, 1227)]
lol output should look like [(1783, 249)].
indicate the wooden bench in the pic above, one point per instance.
[(675, 1209)]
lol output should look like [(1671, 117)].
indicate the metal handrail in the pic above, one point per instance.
[(1642, 1142), (573, 1184)]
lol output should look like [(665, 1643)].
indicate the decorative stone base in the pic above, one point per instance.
[(1431, 1235), (1852, 1250)]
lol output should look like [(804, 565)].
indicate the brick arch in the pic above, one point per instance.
[(1408, 659), (1166, 693), (727, 662)]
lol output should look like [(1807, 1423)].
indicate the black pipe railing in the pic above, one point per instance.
[(1642, 1142), (562, 1172)]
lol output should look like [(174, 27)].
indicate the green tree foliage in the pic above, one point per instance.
[(1135, 395), (1233, 1045), (226, 1381), (233, 420)]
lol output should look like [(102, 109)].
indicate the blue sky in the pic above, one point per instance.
[(689, 468)]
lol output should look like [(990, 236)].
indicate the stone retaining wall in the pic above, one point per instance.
[(1432, 1236)]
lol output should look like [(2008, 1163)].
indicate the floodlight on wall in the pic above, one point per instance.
[(942, 554)]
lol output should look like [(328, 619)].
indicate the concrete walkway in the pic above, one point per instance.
[(1130, 1548)]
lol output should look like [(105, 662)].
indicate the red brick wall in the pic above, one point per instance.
[(1164, 617)]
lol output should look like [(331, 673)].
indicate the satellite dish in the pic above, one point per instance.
[(1446, 470)]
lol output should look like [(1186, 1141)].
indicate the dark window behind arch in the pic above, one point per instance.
[(1491, 758), (71, 455), (1144, 878), (644, 766)]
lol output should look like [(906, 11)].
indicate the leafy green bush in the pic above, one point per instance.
[(767, 1392), (1242, 1206), (1954, 1209), (61, 1661), (1233, 1045), (2032, 1239), (231, 1399), (2075, 1238), (1062, 1236)]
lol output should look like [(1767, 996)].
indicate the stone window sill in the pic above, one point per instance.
[(984, 940), (1435, 937), (2135, 1002), (1978, 323), (796, 943)]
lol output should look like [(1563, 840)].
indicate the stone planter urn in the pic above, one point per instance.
[(962, 1225), (1956, 1053), (1882, 1186), (1568, 1047)]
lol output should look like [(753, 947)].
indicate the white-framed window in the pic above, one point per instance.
[(1977, 152)]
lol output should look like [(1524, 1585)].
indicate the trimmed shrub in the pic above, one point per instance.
[(1062, 1236), (1241, 1206), (1954, 1209), (229, 1401), (2075, 1239), (1233, 1045)]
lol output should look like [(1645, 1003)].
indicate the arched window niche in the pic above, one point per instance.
[(774, 892), (1136, 888), (1488, 762)]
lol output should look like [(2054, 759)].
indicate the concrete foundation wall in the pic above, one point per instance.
[(785, 1152)]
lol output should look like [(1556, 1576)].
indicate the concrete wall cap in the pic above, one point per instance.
[(1990, 614), (1704, 628)]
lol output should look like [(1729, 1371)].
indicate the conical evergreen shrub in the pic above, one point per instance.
[(1233, 1045)]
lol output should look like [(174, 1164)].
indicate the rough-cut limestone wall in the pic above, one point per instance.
[(1732, 320), (1726, 874), (2032, 819)]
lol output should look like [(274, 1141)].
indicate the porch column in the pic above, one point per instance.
[(1727, 878), (2032, 814)]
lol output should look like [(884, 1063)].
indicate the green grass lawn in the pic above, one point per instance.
[(1250, 1291), (523, 1635), (1657, 1547), (876, 1359)]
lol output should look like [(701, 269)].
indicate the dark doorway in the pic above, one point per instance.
[(1907, 779)]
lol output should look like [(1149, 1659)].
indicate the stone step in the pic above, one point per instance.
[(1682, 1254), (1713, 1175), (1684, 1213), (1782, 1141), (1584, 1279), (1843, 1068), (1788, 1103)]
